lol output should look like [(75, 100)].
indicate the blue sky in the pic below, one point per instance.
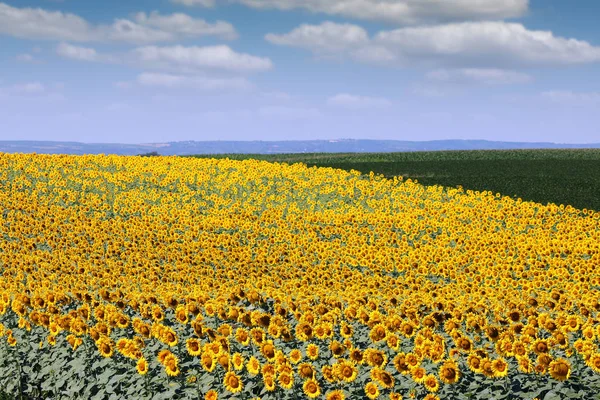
[(168, 70)]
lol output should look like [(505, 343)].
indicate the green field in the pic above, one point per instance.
[(545, 176)]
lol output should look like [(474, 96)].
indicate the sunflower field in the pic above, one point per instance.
[(184, 278)]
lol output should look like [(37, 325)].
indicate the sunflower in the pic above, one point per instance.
[(286, 380), (500, 368), (306, 370), (407, 329), (395, 396), (296, 356), (337, 349), (418, 374), (242, 336), (142, 366), (225, 330), (474, 362), (312, 351), (193, 347), (378, 333), (269, 382), (431, 383), (268, 369), (268, 350), (346, 371), (412, 360), (105, 347), (169, 337), (253, 366), (74, 341), (357, 356), (181, 314), (464, 344), (257, 335), (393, 342), (335, 395), (487, 368), (208, 362), (371, 390), (311, 388), (540, 346), (560, 369), (232, 382), (346, 331), (304, 331), (401, 364), (384, 378), (238, 361), (375, 358), (525, 364), (449, 372), (223, 360), (431, 396), (211, 395), (172, 365)]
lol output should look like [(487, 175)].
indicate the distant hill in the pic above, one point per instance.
[(272, 147)]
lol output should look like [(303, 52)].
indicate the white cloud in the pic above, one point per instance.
[(77, 52), (32, 91), (356, 102), (37, 23), (189, 3), (474, 44), (489, 76), (325, 38), (28, 88), (193, 58), (174, 58), (484, 43), (572, 98), (194, 82), (25, 57), (293, 113), (184, 25), (394, 11)]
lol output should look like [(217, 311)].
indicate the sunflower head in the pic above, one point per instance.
[(232, 382), (311, 388)]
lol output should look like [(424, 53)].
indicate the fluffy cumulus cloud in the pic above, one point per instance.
[(192, 82), (393, 11), (323, 39), (350, 101), (473, 44), (486, 76), (37, 23), (77, 52), (186, 26), (193, 58)]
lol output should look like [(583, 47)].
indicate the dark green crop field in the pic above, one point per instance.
[(545, 176)]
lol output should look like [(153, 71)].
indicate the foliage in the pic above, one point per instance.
[(131, 277)]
